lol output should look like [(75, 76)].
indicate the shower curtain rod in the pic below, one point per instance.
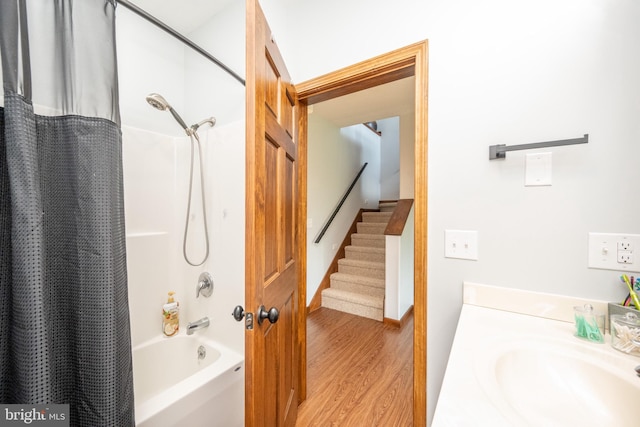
[(135, 9)]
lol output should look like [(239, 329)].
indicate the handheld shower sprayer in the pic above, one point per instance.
[(157, 101)]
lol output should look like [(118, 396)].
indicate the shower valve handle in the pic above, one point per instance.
[(272, 315), (205, 285)]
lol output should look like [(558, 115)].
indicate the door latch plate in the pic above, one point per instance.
[(249, 320)]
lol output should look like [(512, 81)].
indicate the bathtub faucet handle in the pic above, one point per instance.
[(205, 285)]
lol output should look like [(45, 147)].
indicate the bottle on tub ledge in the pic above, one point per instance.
[(170, 319)]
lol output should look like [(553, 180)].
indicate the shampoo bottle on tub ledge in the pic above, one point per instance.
[(170, 319)]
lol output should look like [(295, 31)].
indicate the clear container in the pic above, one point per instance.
[(589, 324), (625, 333)]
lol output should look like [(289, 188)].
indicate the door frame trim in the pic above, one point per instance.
[(408, 61)]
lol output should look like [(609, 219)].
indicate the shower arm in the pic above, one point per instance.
[(210, 120)]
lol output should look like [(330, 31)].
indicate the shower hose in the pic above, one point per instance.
[(194, 135)]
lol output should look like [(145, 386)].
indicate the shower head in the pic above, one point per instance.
[(157, 101)]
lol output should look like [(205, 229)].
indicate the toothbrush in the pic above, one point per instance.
[(634, 296)]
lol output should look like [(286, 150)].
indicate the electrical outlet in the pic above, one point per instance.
[(611, 251), (625, 251), (625, 257), (625, 245)]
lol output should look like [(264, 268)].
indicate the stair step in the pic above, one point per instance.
[(354, 303), (361, 268), (387, 206), (358, 284), (370, 240), (376, 216), (365, 253), (371, 227)]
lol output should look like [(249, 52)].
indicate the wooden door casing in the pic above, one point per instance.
[(408, 61), (271, 350)]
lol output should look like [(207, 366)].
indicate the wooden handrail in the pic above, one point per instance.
[(398, 219), (335, 211)]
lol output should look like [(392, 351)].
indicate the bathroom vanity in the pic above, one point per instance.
[(516, 362)]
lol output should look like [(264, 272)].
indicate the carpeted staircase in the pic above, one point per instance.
[(358, 286)]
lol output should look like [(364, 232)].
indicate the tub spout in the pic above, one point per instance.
[(198, 324)]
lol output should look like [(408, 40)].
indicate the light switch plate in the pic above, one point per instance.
[(461, 244), (537, 170)]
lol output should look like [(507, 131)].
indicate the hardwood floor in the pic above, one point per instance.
[(359, 372)]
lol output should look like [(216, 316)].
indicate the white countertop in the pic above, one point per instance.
[(480, 389)]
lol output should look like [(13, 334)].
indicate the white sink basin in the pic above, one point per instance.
[(510, 370), (543, 382)]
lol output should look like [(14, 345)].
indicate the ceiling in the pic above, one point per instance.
[(380, 102), (389, 100)]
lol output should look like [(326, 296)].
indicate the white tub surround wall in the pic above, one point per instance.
[(156, 175), (515, 362), (224, 175)]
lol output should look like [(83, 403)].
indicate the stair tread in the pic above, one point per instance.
[(369, 249), (373, 217), (369, 236), (361, 263), (375, 214), (354, 297), (361, 280), (372, 227), (370, 240)]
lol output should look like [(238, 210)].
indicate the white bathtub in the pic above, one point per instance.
[(174, 388)]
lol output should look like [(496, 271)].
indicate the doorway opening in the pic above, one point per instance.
[(411, 61)]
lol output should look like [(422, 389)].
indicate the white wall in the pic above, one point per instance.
[(149, 60), (209, 89), (406, 282), (389, 158), (399, 271), (335, 157), (368, 145), (502, 72), (407, 165)]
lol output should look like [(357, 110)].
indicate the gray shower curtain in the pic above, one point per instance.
[(64, 313)]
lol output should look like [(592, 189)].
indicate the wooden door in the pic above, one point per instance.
[(272, 356)]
